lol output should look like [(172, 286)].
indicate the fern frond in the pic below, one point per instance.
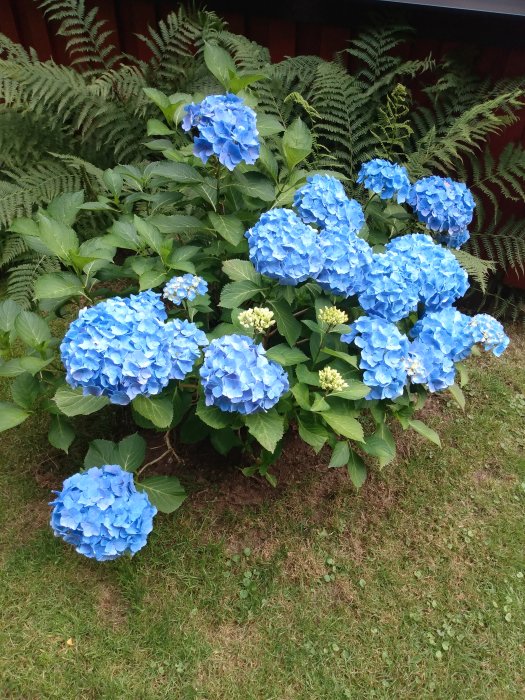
[(502, 241), (12, 248), (87, 40), (21, 279), (477, 268)]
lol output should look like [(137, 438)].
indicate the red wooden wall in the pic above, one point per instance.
[(502, 48)]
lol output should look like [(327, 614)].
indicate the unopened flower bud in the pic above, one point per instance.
[(331, 380), (259, 318)]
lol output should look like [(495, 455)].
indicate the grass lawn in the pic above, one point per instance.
[(413, 588)]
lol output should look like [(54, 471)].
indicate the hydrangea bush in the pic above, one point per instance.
[(234, 294)]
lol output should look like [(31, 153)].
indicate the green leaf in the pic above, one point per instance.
[(301, 395), (151, 279), (61, 433), (19, 365), (11, 415), (287, 325), (158, 98), (113, 182), (267, 428), (158, 128), (224, 440), (65, 207), (381, 445), (174, 224), (131, 452), (157, 410), (72, 403), (60, 239), (305, 376), (356, 470), (253, 184), (235, 293), (101, 452), (344, 424), (297, 143), (354, 391), (229, 227), (164, 492), (313, 433), (177, 172), (458, 395), (268, 125), (340, 454), (58, 285), (285, 355), (32, 329), (183, 254), (212, 416), (239, 82), (425, 431), (25, 390), (238, 270), (123, 234), (149, 233), (219, 63), (349, 359), (9, 310)]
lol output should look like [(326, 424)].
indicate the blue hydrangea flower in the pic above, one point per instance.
[(441, 278), (101, 513), (442, 204), (186, 287), (284, 248), (427, 365), (346, 258), (122, 348), (385, 179), (390, 287), (454, 240), (447, 331), (490, 333), (238, 377), (227, 129), (383, 356), (323, 201)]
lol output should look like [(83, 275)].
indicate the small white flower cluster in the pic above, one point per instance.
[(259, 318), (331, 380), (332, 316)]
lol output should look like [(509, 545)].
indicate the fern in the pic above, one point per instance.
[(22, 277), (87, 42), (393, 126)]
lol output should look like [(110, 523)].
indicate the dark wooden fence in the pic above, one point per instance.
[(320, 27)]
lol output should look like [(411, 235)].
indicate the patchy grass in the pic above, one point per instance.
[(413, 588)]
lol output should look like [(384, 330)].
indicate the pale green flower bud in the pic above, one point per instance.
[(330, 380), (259, 319), (332, 316)]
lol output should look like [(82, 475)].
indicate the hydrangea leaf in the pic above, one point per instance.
[(268, 125), (25, 390), (229, 227), (11, 415), (297, 143), (158, 410), (313, 433), (425, 431), (32, 329), (131, 451), (356, 470), (177, 172), (9, 310), (149, 233), (381, 445), (65, 207), (58, 285), (164, 492), (267, 428), (238, 270), (219, 63), (213, 416), (345, 425), (59, 238), (19, 365), (287, 325), (285, 355), (235, 293), (459, 396), (61, 433), (340, 454), (255, 185), (73, 403), (354, 391)]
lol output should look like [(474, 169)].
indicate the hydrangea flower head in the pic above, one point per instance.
[(122, 348), (185, 287), (323, 201), (227, 128), (283, 248), (331, 380), (454, 240), (259, 318), (447, 331), (385, 179), (101, 513), (427, 365), (238, 377), (442, 204), (441, 278), (383, 356), (345, 261), (490, 333), (390, 287)]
